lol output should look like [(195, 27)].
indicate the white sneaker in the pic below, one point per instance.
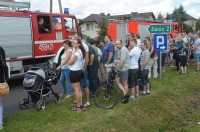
[(1, 127), (132, 97)]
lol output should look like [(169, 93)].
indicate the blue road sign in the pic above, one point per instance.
[(160, 41)]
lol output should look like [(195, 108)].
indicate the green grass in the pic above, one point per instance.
[(174, 105)]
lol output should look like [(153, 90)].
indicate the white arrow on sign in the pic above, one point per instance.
[(163, 47)]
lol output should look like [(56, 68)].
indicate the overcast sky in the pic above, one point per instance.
[(83, 8)]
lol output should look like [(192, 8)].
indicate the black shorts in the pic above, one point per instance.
[(183, 62), (174, 56), (75, 76), (132, 78), (192, 56)]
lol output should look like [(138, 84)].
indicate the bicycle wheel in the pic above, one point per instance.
[(106, 96)]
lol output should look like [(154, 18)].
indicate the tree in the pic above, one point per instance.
[(187, 28), (160, 17), (179, 15), (167, 16), (102, 28), (198, 25)]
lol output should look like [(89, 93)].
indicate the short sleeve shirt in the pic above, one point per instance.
[(109, 47), (145, 54), (78, 64), (186, 51), (92, 51), (123, 54), (134, 57), (63, 58), (197, 43)]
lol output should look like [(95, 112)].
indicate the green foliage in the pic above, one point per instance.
[(198, 25), (103, 25), (160, 17), (187, 28), (179, 15), (85, 37), (167, 16)]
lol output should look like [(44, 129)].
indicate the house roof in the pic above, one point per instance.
[(95, 18), (188, 17), (191, 18), (134, 15)]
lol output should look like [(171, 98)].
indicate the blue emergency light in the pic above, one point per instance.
[(66, 10)]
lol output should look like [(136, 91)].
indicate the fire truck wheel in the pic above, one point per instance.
[(23, 104)]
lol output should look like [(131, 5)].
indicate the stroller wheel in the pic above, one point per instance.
[(23, 103), (40, 105), (57, 97)]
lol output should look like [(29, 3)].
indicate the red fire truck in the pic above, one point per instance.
[(118, 29), (24, 45)]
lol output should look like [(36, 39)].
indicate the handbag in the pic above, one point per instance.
[(4, 88)]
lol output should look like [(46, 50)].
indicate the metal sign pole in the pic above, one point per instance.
[(160, 65)]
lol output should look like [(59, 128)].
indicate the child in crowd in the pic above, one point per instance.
[(184, 55)]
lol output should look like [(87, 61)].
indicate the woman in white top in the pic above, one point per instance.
[(76, 66), (65, 70)]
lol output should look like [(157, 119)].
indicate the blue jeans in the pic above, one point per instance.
[(144, 77), (93, 77), (84, 81), (1, 112), (65, 77)]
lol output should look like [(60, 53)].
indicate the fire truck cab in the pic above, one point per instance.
[(24, 39), (118, 29)]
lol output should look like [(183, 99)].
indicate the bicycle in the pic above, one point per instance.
[(106, 95)]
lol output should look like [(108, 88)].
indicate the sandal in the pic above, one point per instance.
[(68, 96), (125, 100), (74, 103), (76, 109)]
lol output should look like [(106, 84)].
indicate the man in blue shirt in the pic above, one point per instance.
[(108, 54), (108, 51)]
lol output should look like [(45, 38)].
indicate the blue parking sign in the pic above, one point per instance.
[(160, 41)]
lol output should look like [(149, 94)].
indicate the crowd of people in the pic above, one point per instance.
[(135, 58), (82, 60)]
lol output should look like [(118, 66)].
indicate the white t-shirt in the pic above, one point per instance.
[(138, 42), (85, 46), (99, 53), (134, 57), (78, 64), (197, 43), (63, 58)]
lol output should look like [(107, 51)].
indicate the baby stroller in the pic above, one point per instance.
[(37, 83)]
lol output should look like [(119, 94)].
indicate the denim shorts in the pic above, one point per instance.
[(123, 75), (144, 77), (197, 57)]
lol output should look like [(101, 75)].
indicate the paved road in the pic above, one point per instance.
[(11, 105)]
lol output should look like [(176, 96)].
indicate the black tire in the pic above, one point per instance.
[(57, 98), (105, 97), (40, 105), (23, 104)]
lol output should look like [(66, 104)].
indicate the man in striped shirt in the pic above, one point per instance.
[(144, 67)]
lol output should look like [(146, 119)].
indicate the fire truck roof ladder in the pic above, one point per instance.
[(15, 5)]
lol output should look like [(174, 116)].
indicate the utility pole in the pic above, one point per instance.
[(60, 6), (51, 7)]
